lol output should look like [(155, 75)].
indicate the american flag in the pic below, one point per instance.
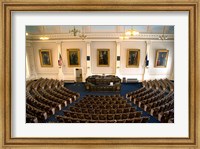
[(60, 60), (147, 60)]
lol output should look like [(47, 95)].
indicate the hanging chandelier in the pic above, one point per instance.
[(82, 35), (74, 31), (131, 32), (163, 36)]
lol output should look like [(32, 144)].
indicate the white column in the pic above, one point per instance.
[(60, 68), (31, 60), (88, 72), (27, 68), (117, 73), (145, 75), (172, 70)]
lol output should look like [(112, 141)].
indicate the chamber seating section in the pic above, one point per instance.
[(102, 109), (44, 97), (157, 98)]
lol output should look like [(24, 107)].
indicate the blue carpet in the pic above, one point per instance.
[(125, 88)]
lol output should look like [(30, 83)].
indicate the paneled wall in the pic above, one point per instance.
[(68, 73), (155, 72), (103, 45), (130, 72), (34, 60)]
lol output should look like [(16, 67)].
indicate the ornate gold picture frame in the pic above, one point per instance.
[(161, 58), (103, 57), (73, 57), (133, 58), (45, 58), (191, 142)]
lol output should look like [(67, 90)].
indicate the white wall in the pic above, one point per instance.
[(68, 73), (154, 72), (132, 72), (46, 72), (103, 45)]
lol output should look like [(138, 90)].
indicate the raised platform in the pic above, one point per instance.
[(103, 83)]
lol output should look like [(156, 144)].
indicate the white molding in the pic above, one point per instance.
[(93, 36), (67, 73), (28, 44), (114, 40), (47, 73)]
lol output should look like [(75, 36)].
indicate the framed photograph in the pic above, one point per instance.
[(183, 133), (133, 58), (103, 57), (45, 58), (161, 58), (73, 57)]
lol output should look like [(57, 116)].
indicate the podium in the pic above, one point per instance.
[(103, 83)]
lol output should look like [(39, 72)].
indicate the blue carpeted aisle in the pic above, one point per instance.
[(125, 88)]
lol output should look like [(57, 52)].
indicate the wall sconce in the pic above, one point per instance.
[(44, 38)]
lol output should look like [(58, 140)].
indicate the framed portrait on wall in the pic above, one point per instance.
[(161, 58), (45, 58), (103, 57), (73, 57), (133, 58)]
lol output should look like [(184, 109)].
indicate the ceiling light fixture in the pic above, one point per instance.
[(82, 35), (131, 32), (74, 31), (163, 36)]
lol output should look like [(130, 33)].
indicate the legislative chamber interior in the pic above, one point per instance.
[(100, 74)]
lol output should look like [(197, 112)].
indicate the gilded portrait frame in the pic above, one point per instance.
[(157, 65), (191, 142), (98, 57), (42, 60), (128, 56), (77, 51)]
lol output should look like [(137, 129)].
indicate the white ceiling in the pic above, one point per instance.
[(64, 29), (97, 32)]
